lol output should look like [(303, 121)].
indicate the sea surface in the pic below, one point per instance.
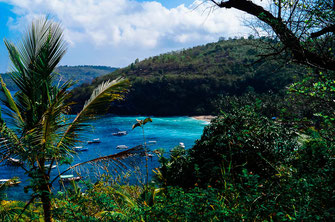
[(168, 132)]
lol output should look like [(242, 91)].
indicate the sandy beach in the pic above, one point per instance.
[(206, 118)]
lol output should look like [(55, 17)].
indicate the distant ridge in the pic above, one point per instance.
[(81, 73), (188, 81)]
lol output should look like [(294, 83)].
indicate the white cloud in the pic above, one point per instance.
[(116, 24)]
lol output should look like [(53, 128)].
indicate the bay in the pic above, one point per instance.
[(168, 132)]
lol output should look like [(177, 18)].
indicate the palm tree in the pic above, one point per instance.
[(37, 129)]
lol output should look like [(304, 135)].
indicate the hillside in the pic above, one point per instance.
[(82, 74), (186, 82)]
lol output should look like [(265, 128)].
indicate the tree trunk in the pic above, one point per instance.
[(46, 207), (46, 199)]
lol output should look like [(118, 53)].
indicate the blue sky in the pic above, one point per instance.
[(5, 13), (116, 32), (172, 3)]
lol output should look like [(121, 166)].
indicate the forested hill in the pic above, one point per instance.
[(186, 82), (82, 74)]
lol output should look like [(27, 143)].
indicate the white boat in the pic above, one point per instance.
[(13, 161), (80, 148), (120, 133), (182, 145), (2, 140), (152, 142), (122, 147), (10, 182), (97, 140), (150, 155), (48, 166), (68, 178)]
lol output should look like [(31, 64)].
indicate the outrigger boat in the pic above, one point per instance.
[(97, 140), (10, 182), (80, 148), (68, 178), (120, 133)]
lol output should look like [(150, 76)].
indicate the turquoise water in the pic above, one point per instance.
[(167, 131)]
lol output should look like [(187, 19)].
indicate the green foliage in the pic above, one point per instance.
[(262, 168), (240, 139), (176, 204), (107, 202), (317, 90), (175, 170), (102, 202)]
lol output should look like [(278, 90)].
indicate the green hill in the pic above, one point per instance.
[(82, 74), (186, 82)]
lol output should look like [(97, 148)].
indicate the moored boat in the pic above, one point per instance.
[(48, 166), (13, 161), (68, 178), (97, 140), (80, 148), (182, 145), (10, 182), (122, 147), (120, 133)]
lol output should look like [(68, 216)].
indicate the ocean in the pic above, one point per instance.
[(168, 132)]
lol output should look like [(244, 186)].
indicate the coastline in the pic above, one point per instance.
[(206, 118)]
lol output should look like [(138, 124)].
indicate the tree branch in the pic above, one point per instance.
[(323, 31), (286, 36)]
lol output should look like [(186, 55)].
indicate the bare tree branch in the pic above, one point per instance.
[(286, 35), (323, 31)]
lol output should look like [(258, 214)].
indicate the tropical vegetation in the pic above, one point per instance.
[(189, 81), (37, 131), (265, 157)]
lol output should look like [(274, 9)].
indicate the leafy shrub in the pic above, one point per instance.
[(241, 139)]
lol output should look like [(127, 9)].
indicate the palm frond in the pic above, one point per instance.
[(104, 94), (116, 158), (47, 132), (10, 211), (33, 62), (10, 144), (8, 100)]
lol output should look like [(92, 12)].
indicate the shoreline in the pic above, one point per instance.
[(206, 118)]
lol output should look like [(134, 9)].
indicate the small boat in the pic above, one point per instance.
[(120, 133), (2, 140), (15, 162), (80, 148), (68, 178), (150, 155), (48, 166), (97, 140), (10, 182), (122, 147), (152, 142), (182, 145)]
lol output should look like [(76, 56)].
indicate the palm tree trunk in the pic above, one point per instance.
[(46, 201), (46, 196)]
